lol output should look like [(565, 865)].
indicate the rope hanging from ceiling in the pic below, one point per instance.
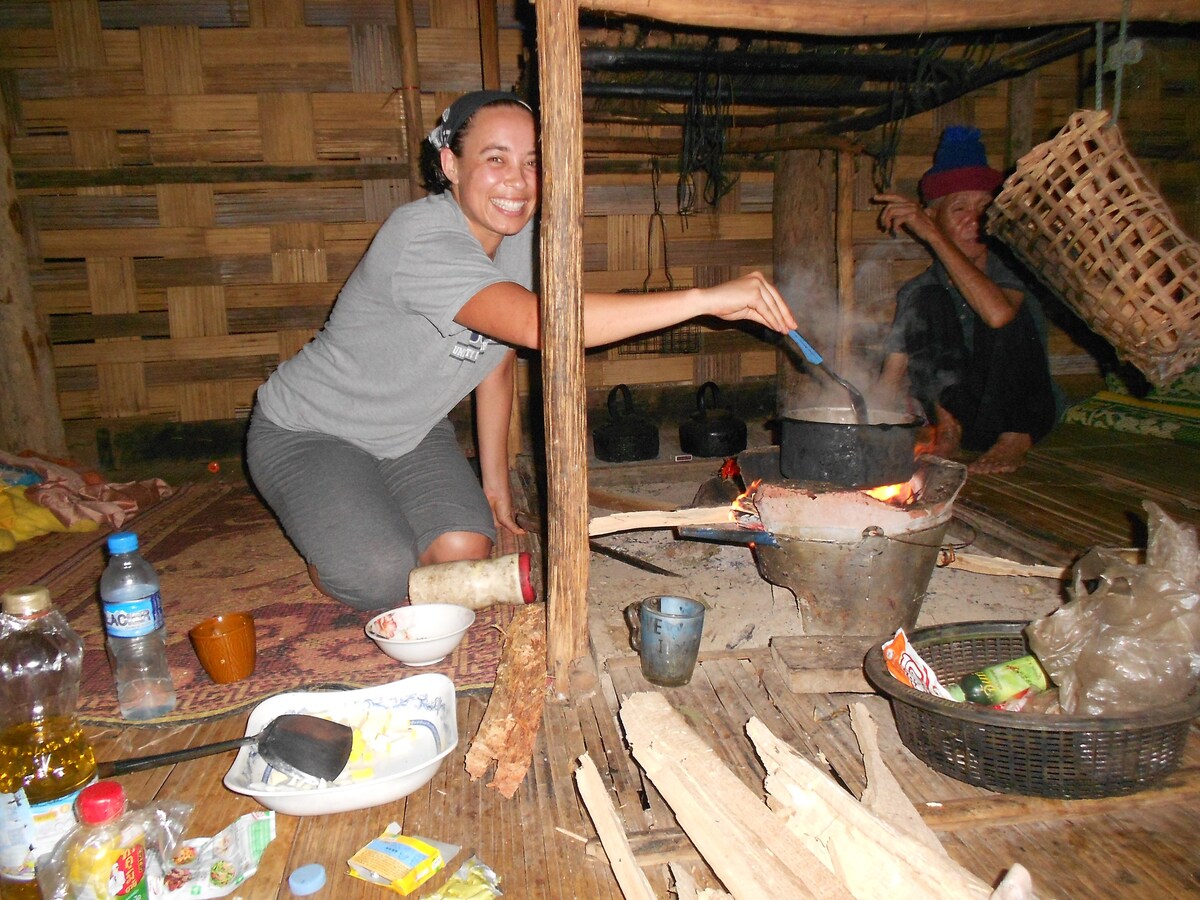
[(703, 148)]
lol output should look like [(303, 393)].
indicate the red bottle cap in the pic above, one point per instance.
[(101, 802), (525, 563)]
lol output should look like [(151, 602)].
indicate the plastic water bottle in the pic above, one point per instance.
[(45, 758), (137, 633)]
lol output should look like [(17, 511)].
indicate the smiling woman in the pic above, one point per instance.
[(349, 442)]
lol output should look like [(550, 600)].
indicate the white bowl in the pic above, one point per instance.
[(421, 635), (408, 726)]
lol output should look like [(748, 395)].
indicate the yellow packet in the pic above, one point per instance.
[(399, 862)]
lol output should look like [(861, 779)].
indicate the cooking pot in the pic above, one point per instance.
[(712, 430), (627, 436), (826, 444)]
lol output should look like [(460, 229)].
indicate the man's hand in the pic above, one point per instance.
[(904, 212)]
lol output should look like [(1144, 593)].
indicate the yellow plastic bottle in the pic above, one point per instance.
[(106, 860), (45, 758)]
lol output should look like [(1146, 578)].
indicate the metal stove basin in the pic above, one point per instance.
[(864, 576)]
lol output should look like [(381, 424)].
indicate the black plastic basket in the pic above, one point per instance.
[(1067, 757)]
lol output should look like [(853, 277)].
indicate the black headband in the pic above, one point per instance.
[(458, 113)]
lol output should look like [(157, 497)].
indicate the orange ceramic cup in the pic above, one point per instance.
[(225, 646)]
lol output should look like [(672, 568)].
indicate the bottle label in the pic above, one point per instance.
[(134, 618), (28, 832), (123, 877)]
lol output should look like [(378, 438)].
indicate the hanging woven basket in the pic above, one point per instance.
[(1081, 214)]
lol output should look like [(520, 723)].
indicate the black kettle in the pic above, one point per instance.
[(627, 436), (712, 430)]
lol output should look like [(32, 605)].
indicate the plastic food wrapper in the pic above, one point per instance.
[(400, 862), (213, 867), (474, 880), (1129, 638), (906, 664), (83, 863)]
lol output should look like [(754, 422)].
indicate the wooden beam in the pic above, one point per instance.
[(562, 334), (651, 146), (134, 176), (861, 18), (410, 93)]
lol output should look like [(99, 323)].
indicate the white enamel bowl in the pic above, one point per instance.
[(420, 635), (408, 727)]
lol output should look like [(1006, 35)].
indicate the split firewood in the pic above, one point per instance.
[(735, 832), (650, 518), (883, 794), (686, 889), (630, 878), (1016, 885), (869, 856), (510, 724), (996, 565)]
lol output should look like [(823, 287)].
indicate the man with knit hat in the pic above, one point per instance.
[(968, 334)]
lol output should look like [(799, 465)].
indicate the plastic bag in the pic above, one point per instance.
[(79, 866), (1132, 642)]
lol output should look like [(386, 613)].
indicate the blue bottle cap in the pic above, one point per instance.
[(122, 542), (307, 879)]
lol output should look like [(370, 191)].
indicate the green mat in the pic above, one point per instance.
[(1172, 412)]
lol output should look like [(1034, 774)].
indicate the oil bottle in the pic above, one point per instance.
[(45, 758)]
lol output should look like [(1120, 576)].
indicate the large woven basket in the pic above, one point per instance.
[(1081, 214), (1066, 757)]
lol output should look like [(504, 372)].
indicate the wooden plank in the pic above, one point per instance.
[(817, 664), (612, 831)]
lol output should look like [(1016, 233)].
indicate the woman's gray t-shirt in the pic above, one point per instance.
[(391, 361)]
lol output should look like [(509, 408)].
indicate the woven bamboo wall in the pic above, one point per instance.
[(176, 300), (173, 298)]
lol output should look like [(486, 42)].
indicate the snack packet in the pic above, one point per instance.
[(474, 880), (399, 862), (204, 868), (906, 665)]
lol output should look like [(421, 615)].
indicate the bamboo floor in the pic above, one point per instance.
[(543, 845), (1082, 488)]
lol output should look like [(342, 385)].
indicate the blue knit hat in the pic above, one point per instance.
[(959, 164)]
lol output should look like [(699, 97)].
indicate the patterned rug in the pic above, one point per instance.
[(217, 549)]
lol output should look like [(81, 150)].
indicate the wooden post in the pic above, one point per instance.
[(562, 334), (410, 93), (844, 240), (29, 414), (489, 45), (804, 262), (1021, 97)]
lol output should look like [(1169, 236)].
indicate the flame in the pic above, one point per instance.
[(900, 494)]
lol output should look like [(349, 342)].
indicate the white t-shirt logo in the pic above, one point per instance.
[(470, 348)]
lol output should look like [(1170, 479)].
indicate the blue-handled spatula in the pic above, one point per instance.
[(857, 403)]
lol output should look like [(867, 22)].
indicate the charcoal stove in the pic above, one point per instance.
[(857, 565)]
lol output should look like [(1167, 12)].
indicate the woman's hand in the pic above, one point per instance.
[(748, 297), (502, 510)]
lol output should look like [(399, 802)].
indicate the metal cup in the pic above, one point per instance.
[(666, 631)]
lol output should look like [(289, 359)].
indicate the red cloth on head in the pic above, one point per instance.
[(966, 178)]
